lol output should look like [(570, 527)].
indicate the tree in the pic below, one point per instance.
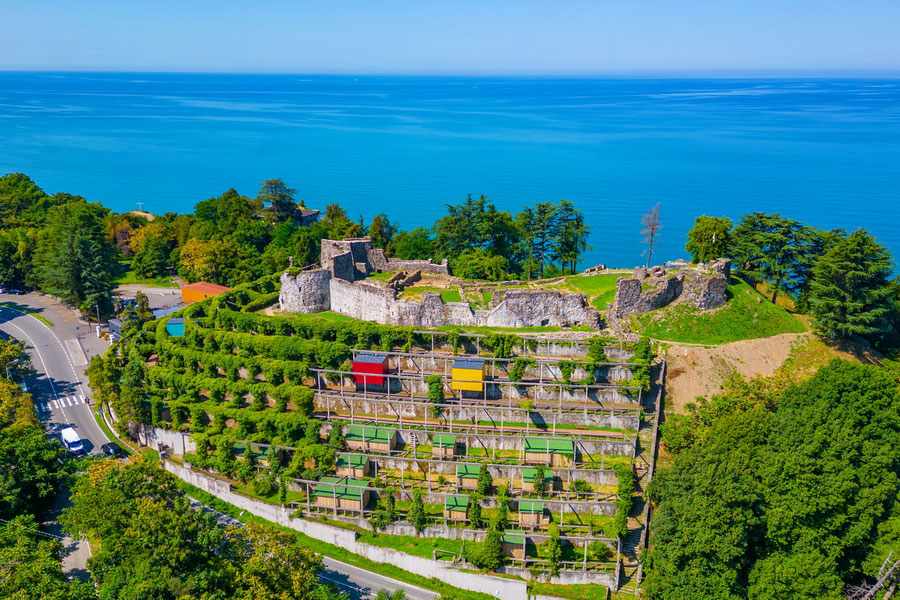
[(541, 229), (850, 293), (554, 550), (276, 193), (489, 554), (773, 249), (154, 258), (337, 225), (485, 481), (571, 238), (75, 256), (382, 231), (652, 225), (709, 238), (416, 516), (540, 483), (474, 513), (480, 264), (413, 245)]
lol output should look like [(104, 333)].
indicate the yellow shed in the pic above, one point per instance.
[(467, 375)]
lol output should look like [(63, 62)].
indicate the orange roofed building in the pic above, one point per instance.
[(195, 292)]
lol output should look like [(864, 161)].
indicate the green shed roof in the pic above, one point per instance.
[(513, 537), (379, 435), (348, 489), (456, 502), (529, 506), (353, 461), (530, 474), (443, 440), (467, 470), (551, 445)]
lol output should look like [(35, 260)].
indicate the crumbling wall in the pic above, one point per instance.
[(525, 308), (703, 286), (306, 292)]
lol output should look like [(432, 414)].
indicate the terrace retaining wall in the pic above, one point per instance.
[(505, 589)]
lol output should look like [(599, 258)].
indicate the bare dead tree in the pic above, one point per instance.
[(886, 576), (652, 225)]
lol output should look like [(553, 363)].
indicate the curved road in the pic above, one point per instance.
[(62, 398)]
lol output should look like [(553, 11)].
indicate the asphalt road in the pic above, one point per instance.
[(61, 396)]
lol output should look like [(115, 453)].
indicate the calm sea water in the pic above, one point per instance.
[(826, 152)]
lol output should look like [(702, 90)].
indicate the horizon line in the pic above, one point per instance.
[(636, 74)]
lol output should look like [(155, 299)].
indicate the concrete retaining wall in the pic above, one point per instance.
[(495, 586)]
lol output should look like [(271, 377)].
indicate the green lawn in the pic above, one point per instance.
[(601, 289), (746, 315), (451, 295), (130, 278)]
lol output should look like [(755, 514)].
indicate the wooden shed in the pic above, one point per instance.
[(353, 465), (556, 452), (456, 508), (443, 444), (514, 543), (529, 476), (467, 475), (341, 493), (370, 368), (467, 375), (195, 292), (531, 513), (371, 439)]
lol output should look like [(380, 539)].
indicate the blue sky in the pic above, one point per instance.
[(454, 36)]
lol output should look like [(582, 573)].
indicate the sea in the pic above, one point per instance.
[(822, 151)]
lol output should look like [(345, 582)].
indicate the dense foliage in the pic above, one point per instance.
[(841, 279), (149, 542), (780, 490)]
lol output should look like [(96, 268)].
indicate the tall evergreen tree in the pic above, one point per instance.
[(280, 196), (850, 293), (571, 236)]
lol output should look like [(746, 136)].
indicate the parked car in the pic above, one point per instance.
[(15, 291), (72, 440), (112, 450)]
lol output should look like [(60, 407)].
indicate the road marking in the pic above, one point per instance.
[(83, 399), (56, 404)]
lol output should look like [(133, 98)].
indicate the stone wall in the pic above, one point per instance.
[(306, 292), (703, 286)]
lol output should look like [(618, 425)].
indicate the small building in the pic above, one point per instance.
[(175, 327), (353, 465), (514, 543), (467, 475), (467, 375), (195, 292), (115, 327), (270, 455), (159, 313), (456, 508), (443, 445), (531, 513), (371, 439), (370, 368), (529, 476), (308, 216), (341, 493), (556, 452)]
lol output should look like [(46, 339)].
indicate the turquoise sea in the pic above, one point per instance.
[(824, 151)]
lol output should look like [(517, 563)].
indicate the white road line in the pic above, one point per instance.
[(83, 399), (68, 401), (56, 404)]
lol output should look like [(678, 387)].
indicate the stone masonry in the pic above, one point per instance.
[(337, 286), (703, 286)]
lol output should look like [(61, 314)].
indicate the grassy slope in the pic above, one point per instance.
[(746, 315), (130, 278)]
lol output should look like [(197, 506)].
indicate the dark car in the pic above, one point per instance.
[(15, 291), (112, 450)]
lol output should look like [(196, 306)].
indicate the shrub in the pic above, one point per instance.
[(517, 370)]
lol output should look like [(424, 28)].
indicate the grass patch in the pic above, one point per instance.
[(412, 545), (335, 552), (746, 315), (451, 295), (600, 289), (129, 277), (574, 592), (28, 311)]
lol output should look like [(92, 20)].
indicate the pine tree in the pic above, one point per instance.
[(485, 481), (850, 293)]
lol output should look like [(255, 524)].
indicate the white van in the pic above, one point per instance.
[(71, 440)]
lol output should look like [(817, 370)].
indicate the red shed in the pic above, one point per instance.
[(370, 362)]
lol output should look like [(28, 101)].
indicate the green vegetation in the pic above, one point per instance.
[(601, 289), (779, 489), (746, 315), (130, 277)]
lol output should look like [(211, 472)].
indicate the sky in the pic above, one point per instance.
[(455, 36)]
